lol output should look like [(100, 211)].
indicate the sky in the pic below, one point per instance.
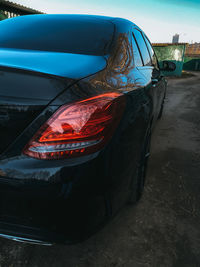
[(159, 19)]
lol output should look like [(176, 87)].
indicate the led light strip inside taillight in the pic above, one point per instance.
[(64, 147)]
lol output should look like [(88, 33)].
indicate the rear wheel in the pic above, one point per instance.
[(138, 180)]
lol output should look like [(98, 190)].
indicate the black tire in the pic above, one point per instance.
[(138, 181)]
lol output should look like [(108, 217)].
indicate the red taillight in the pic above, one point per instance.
[(78, 129)]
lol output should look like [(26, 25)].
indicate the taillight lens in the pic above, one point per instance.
[(78, 129)]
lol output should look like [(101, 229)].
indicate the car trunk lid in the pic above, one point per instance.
[(22, 97), (67, 65)]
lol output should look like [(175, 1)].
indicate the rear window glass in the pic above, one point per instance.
[(151, 51), (57, 33), (142, 47), (136, 54)]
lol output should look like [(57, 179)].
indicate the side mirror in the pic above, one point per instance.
[(168, 66)]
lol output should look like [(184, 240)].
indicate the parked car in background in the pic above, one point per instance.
[(79, 98)]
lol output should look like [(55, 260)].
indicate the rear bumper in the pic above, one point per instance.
[(28, 235), (25, 240), (62, 204), (49, 221), (67, 222), (31, 235)]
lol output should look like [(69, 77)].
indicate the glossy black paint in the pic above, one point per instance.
[(68, 200)]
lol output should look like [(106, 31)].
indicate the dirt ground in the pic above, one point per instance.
[(163, 229)]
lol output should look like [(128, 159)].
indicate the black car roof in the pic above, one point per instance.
[(85, 18), (66, 17)]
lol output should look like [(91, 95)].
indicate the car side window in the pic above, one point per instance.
[(136, 54), (151, 52), (142, 47)]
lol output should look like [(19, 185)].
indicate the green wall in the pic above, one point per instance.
[(174, 53), (191, 63)]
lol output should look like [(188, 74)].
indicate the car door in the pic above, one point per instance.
[(135, 121), (156, 75), (155, 86), (141, 104)]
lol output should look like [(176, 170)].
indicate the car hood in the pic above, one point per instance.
[(74, 66)]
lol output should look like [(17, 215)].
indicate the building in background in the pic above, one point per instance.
[(193, 49), (175, 38), (9, 10)]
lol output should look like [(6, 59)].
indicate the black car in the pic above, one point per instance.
[(79, 97)]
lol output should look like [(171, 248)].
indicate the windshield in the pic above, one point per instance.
[(58, 33)]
